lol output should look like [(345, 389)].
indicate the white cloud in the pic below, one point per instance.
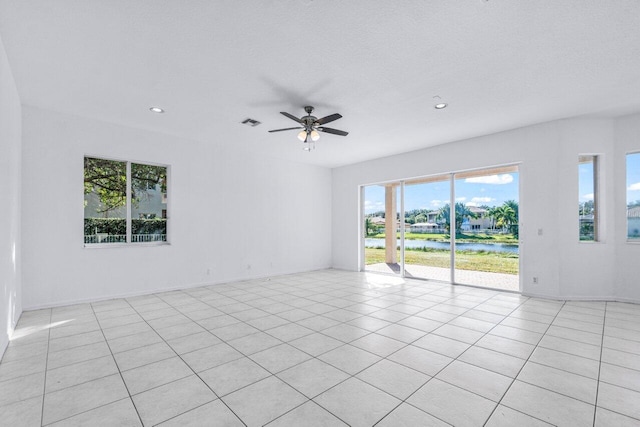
[(437, 203), (482, 199), (473, 204), (492, 179), (460, 199), (634, 187), (370, 206), (587, 196)]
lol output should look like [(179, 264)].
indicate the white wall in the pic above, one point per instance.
[(10, 153), (548, 155), (627, 254), (232, 212)]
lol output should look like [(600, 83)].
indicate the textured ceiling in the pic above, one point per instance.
[(500, 64)]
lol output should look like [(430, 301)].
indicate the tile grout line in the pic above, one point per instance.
[(46, 368), (520, 370), (595, 405), (117, 366)]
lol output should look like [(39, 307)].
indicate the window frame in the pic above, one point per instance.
[(129, 193)]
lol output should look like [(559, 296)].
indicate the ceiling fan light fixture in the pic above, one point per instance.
[(441, 106), (302, 135), (156, 110), (314, 135)]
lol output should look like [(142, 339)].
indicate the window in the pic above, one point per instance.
[(588, 198), (124, 202), (633, 197)]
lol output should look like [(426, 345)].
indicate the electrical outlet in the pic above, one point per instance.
[(535, 280)]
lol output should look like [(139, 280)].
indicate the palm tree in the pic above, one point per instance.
[(505, 216), (462, 212)]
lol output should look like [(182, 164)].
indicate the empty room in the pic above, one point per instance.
[(320, 213)]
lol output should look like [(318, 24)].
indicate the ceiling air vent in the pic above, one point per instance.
[(250, 122)]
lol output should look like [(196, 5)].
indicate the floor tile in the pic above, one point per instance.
[(289, 332), (254, 343), (182, 345), (143, 356), (606, 418), (345, 333), (401, 333), (507, 417), (263, 401), (393, 378), (25, 413), (78, 354), (172, 399), (357, 403), (349, 358), (439, 344), (621, 358), (215, 410), (312, 377), (406, 415), (620, 400), (548, 406), (425, 361), (316, 344), (442, 400), (131, 342), (75, 341), (478, 380), (563, 382), (378, 344), (279, 358), (120, 413), (506, 346), (572, 347), (81, 372), (308, 415), (73, 400), (619, 376), (155, 374), (566, 362), (21, 388), (233, 375), (210, 357), (22, 367)]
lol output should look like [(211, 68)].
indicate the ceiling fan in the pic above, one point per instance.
[(310, 126)]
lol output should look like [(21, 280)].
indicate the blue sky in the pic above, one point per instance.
[(490, 190)]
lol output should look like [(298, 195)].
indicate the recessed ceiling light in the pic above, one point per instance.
[(441, 105), (156, 110)]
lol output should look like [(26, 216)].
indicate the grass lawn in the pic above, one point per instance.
[(460, 237), (493, 262)]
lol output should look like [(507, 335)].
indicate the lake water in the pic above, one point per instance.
[(413, 244)]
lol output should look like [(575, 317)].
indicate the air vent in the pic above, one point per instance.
[(250, 122)]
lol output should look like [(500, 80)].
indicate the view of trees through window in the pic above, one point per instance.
[(486, 234), (633, 196), (588, 198), (122, 210)]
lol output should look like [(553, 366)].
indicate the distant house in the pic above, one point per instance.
[(633, 222), (423, 227), (482, 221)]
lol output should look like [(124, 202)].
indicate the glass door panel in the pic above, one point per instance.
[(382, 228), (486, 228), (427, 241)]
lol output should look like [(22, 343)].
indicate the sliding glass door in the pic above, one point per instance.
[(474, 212)]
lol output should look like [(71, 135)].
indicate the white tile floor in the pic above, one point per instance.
[(325, 348)]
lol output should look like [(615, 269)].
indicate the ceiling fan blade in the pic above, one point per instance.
[(333, 131), (328, 119), (292, 117), (280, 130)]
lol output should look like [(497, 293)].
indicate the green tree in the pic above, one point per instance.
[(505, 217), (421, 218), (108, 179), (461, 212)]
